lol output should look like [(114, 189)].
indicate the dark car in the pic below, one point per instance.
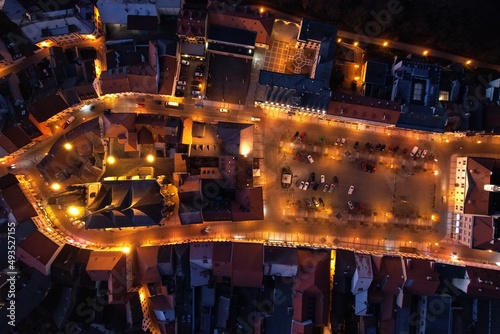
[(298, 157), (179, 93), (396, 148), (312, 177), (296, 134), (335, 180), (382, 148), (158, 102), (315, 186), (320, 200), (356, 145), (308, 202), (378, 146), (315, 201), (302, 135)]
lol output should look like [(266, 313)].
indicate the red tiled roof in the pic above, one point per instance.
[(312, 281), (248, 261), (388, 272), (478, 201), (222, 259), (483, 282), (101, 264), (148, 259), (21, 207), (364, 108), (422, 277), (191, 23), (248, 205), (482, 234), (38, 251)]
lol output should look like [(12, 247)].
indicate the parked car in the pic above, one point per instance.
[(320, 200), (335, 179), (325, 188), (158, 102), (298, 157), (342, 142), (181, 82), (337, 142), (315, 186), (356, 145), (351, 190), (419, 153), (414, 151), (179, 93), (351, 206), (301, 185), (139, 105), (223, 110), (195, 83), (322, 178), (255, 119), (424, 153), (382, 148), (306, 186), (68, 122), (184, 62), (308, 203), (198, 74), (315, 202), (302, 135), (312, 177), (181, 87), (310, 159), (198, 79), (332, 186), (195, 92), (396, 148)]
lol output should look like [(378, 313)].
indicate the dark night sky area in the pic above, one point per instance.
[(463, 27)]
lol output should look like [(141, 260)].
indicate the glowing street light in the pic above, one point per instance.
[(68, 146), (74, 211), (356, 43), (468, 62), (55, 186), (385, 43), (150, 158), (261, 10), (111, 160), (126, 250), (425, 53), (339, 40)]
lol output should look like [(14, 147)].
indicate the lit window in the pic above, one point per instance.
[(444, 96), (417, 91)]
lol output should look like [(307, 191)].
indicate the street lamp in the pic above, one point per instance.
[(68, 146), (150, 158), (111, 160), (74, 211), (55, 186)]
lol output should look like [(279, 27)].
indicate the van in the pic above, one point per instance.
[(414, 151)]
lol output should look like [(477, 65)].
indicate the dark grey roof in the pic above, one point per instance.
[(294, 90), (281, 255), (316, 31), (167, 47), (325, 61), (134, 203), (345, 265), (423, 118), (232, 35), (142, 22), (375, 72)]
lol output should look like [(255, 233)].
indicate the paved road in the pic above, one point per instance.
[(361, 231)]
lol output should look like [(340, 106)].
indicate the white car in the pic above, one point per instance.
[(198, 74), (195, 92), (301, 185), (182, 83), (325, 188), (342, 142), (332, 186), (338, 141), (322, 178), (255, 119), (223, 110), (351, 206), (181, 87), (424, 153), (310, 158), (185, 62), (419, 153), (351, 190), (306, 186)]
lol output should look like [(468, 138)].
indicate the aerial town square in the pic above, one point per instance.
[(209, 167)]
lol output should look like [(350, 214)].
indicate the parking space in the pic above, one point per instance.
[(192, 79), (228, 78)]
